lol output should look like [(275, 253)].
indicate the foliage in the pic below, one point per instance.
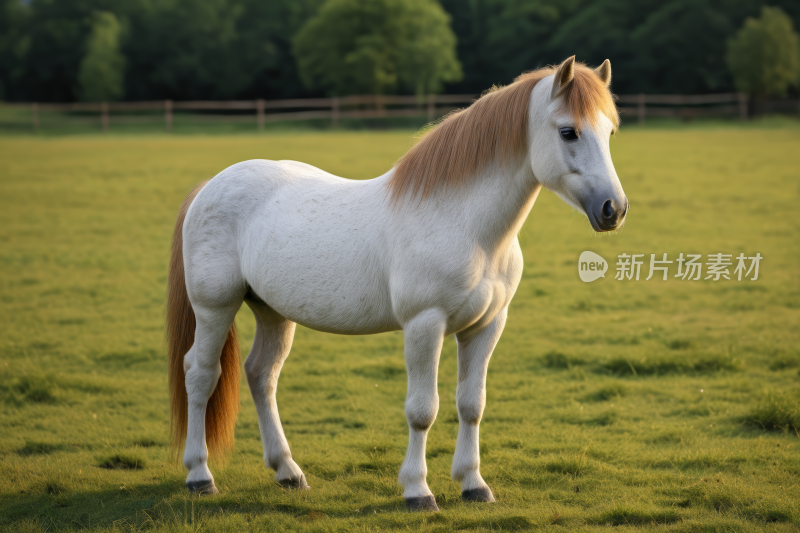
[(12, 22), (186, 49), (47, 49), (375, 46), (100, 77), (219, 49), (180, 49), (764, 56), (674, 46), (85, 223), (210, 49), (277, 22)]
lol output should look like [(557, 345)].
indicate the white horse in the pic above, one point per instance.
[(430, 248)]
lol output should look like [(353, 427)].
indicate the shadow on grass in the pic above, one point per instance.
[(722, 499), (608, 392), (623, 516), (777, 412), (506, 523), (40, 448), (61, 509), (656, 366), (122, 461)]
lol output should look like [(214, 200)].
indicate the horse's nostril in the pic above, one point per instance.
[(608, 209)]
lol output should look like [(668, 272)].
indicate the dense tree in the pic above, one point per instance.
[(204, 49), (654, 46), (674, 46), (376, 46), (192, 49), (215, 49), (100, 78), (764, 56), (13, 22), (277, 22), (50, 50), (499, 39), (173, 48), (48, 44)]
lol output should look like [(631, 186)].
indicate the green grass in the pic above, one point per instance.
[(649, 405)]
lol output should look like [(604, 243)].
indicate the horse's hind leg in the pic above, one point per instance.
[(474, 350), (202, 369), (271, 346)]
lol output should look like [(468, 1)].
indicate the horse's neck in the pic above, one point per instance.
[(495, 203), (500, 197)]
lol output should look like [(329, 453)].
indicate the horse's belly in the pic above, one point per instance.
[(313, 307), (313, 252), (332, 288)]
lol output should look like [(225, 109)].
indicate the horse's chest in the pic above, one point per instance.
[(479, 305), (491, 292)]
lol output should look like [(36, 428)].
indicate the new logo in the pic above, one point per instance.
[(591, 266)]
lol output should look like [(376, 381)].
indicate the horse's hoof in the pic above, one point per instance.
[(202, 488), (422, 503), (299, 484), (482, 494)]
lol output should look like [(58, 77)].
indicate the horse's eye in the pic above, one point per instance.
[(568, 134)]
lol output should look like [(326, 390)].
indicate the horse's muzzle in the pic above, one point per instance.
[(609, 215)]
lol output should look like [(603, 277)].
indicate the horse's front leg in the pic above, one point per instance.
[(474, 350), (423, 343)]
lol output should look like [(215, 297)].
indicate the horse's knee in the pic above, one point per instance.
[(470, 410), (253, 370), (421, 412), (201, 380)]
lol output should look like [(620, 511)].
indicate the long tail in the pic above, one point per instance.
[(223, 406)]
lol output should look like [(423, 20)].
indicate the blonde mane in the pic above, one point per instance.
[(494, 127)]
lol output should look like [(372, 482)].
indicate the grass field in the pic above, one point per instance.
[(650, 405)]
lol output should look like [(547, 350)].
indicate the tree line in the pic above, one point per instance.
[(68, 50)]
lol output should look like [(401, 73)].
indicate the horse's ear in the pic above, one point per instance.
[(604, 72), (563, 76)]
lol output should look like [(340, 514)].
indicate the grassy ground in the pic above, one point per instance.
[(649, 405)]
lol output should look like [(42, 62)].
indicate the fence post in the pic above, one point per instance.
[(104, 115), (168, 115), (641, 108), (430, 106), (687, 113), (379, 110), (35, 113), (742, 105), (335, 112), (260, 112)]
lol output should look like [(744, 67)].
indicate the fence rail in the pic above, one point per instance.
[(684, 106), (262, 111), (377, 106)]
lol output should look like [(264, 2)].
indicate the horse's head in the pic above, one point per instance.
[(572, 119)]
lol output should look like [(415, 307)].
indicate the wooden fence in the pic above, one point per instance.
[(259, 112), (683, 106)]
